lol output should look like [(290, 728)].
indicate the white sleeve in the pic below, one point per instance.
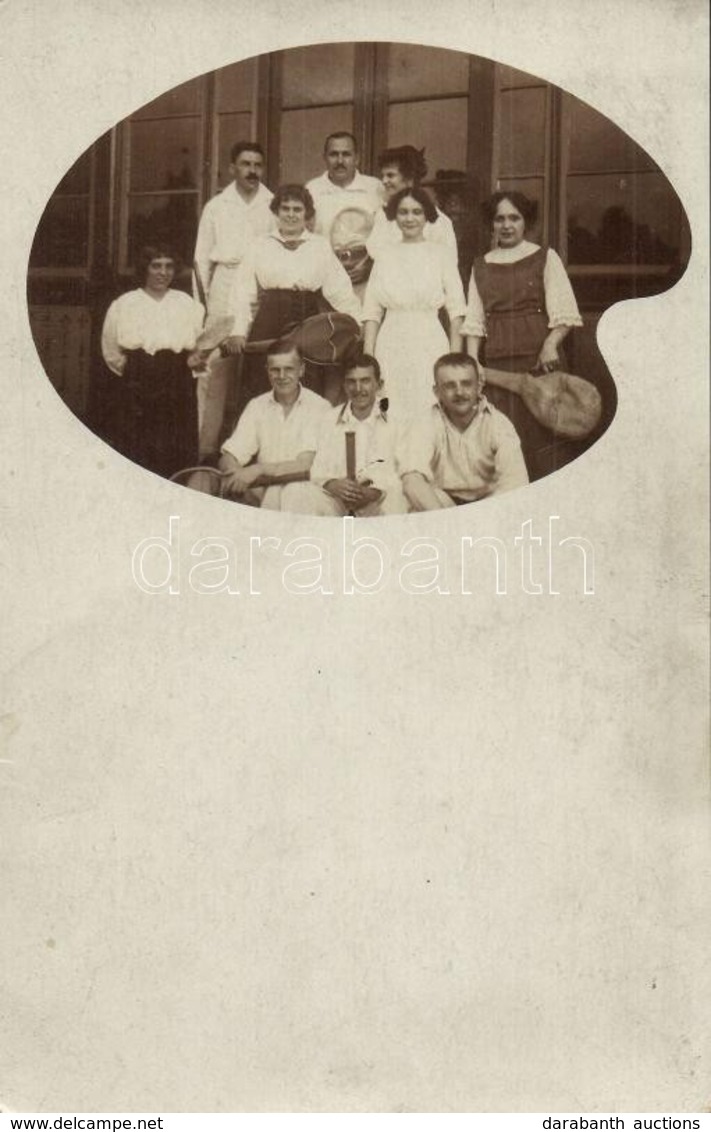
[(244, 442), (378, 237), (415, 448), (325, 467), (454, 300), (475, 320), (337, 288), (445, 231), (373, 307), (244, 294), (113, 354), (206, 240), (511, 469), (561, 307)]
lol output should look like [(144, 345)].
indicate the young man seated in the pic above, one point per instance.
[(275, 438), (463, 449), (354, 470)]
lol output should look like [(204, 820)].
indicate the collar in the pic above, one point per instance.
[(359, 182), (271, 399), (483, 406), (303, 238), (233, 191), (347, 416), (512, 255)]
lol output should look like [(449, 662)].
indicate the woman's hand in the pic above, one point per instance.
[(233, 346), (197, 361), (548, 359)]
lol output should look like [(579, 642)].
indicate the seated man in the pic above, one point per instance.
[(275, 438), (465, 449), (355, 476)]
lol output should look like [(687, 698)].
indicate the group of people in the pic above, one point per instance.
[(340, 308)]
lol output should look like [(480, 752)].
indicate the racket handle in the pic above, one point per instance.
[(350, 456)]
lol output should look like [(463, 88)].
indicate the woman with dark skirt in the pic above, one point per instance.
[(520, 308), (287, 278), (148, 341)]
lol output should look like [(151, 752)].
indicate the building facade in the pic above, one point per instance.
[(603, 203)]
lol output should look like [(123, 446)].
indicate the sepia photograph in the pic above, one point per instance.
[(518, 214), (354, 725)]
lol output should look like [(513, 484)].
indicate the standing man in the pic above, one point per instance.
[(371, 486), (275, 438), (464, 449), (229, 224), (343, 189)]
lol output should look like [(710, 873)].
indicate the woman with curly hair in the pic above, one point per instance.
[(410, 282), (520, 308), (148, 341), (404, 167)]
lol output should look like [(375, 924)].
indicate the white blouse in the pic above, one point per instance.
[(416, 276), (561, 307), (135, 321), (312, 266)]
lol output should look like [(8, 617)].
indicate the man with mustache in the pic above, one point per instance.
[(343, 187), (229, 224), (465, 449)]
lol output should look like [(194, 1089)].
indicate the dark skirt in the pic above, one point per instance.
[(282, 310), (158, 419)]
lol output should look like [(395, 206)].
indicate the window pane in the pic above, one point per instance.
[(509, 76), (522, 130), (623, 219), (415, 72), (62, 236), (597, 144), (183, 99), (532, 187), (78, 179), (303, 133), (164, 155), (231, 128), (235, 86), (441, 127), (169, 218), (318, 75)]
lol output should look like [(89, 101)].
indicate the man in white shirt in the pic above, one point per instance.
[(229, 224), (343, 187), (465, 449), (371, 484), (275, 438)]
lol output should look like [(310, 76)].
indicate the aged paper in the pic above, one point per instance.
[(273, 850)]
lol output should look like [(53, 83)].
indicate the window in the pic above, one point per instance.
[(235, 115), (522, 146), (622, 213), (317, 98), (63, 240), (428, 103)]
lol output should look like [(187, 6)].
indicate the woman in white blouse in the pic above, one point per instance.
[(520, 308), (404, 167), (148, 341), (288, 277), (410, 281)]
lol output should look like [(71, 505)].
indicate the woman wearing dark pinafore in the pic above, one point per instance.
[(520, 308)]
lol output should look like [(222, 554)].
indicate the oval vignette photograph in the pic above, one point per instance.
[(350, 279)]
